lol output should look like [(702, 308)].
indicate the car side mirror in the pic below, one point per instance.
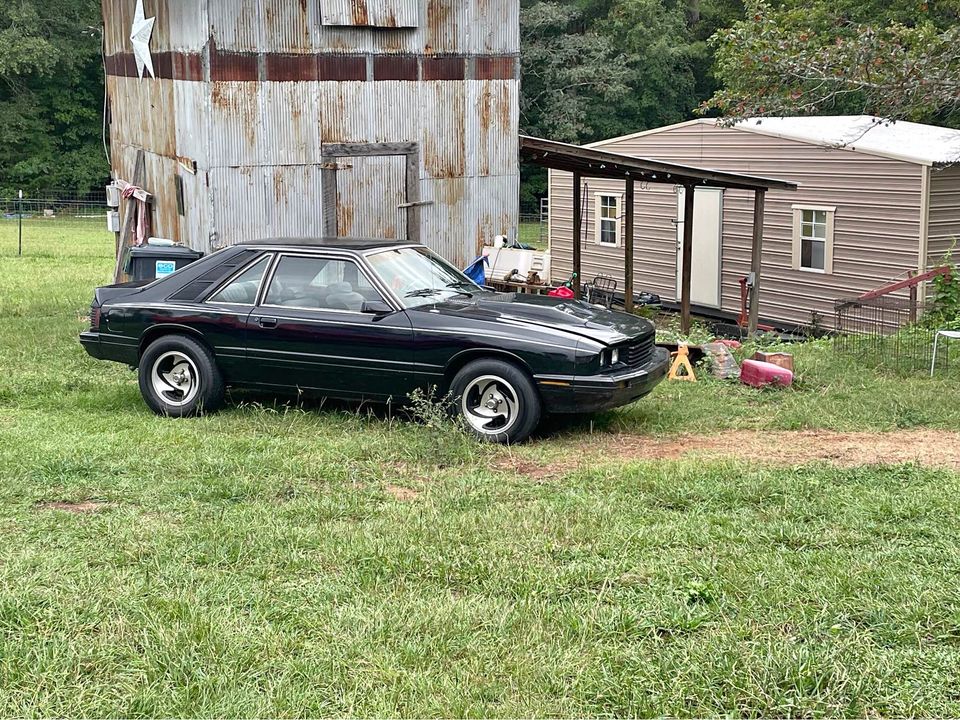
[(375, 307)]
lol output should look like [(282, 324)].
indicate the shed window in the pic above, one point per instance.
[(607, 220), (371, 13), (813, 238)]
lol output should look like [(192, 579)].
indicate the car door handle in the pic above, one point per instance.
[(267, 323)]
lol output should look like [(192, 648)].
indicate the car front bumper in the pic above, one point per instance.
[(594, 393)]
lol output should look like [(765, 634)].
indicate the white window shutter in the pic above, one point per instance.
[(621, 214), (597, 214), (828, 246), (797, 220)]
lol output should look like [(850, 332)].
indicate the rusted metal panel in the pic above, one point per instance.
[(294, 196), (368, 112), (241, 210), (443, 226), (186, 24), (236, 25), (196, 222), (289, 26), (291, 124), (400, 67), (235, 124), (443, 120), (495, 27), (370, 193), (371, 13), (449, 24), (496, 211), (192, 103), (492, 117)]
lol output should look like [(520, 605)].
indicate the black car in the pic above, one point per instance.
[(369, 320)]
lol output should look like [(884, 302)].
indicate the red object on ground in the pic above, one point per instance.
[(732, 344), (561, 292), (758, 374)]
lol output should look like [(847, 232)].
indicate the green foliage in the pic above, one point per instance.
[(896, 61), (51, 95)]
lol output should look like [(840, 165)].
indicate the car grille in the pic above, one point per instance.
[(636, 354)]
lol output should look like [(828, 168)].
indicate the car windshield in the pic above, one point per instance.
[(418, 277)]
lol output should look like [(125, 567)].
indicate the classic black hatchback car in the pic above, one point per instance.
[(369, 320)]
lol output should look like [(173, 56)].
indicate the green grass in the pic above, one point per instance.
[(534, 234), (259, 562)]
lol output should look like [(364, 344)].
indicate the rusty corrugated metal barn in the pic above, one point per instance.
[(394, 118)]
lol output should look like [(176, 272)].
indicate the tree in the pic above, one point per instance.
[(830, 58), (51, 95)]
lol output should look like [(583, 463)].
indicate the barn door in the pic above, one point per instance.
[(371, 191)]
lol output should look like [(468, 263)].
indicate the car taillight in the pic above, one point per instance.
[(94, 317)]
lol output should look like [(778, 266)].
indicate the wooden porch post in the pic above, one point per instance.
[(688, 198), (628, 250), (756, 253), (577, 222)]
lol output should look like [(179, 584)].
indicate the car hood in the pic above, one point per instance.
[(573, 316)]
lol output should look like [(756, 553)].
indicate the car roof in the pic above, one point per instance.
[(334, 243)]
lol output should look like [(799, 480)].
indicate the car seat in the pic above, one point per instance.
[(342, 297)]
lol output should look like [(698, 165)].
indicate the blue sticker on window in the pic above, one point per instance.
[(165, 267)]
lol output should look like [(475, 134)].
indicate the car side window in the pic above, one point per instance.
[(242, 290), (320, 283)]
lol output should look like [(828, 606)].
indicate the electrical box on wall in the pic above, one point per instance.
[(113, 221), (113, 196)]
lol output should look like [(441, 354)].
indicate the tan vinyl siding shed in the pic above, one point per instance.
[(887, 197)]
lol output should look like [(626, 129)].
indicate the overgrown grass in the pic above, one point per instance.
[(271, 560)]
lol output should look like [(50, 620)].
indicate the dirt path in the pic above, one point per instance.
[(930, 448)]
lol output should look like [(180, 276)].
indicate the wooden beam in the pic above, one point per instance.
[(129, 211), (756, 254), (687, 257), (577, 232), (628, 249)]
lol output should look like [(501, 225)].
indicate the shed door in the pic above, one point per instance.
[(371, 196), (707, 233)]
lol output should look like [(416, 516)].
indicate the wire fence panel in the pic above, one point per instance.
[(889, 332), (55, 203)]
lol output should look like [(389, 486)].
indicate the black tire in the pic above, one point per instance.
[(497, 400), (179, 377)]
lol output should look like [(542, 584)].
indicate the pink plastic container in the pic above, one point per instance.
[(757, 374)]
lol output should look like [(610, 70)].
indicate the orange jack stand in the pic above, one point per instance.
[(682, 362)]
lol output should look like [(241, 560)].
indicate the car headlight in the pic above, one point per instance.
[(614, 356)]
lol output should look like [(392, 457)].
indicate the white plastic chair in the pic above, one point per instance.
[(949, 335)]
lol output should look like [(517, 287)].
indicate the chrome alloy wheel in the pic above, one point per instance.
[(490, 405), (175, 378)]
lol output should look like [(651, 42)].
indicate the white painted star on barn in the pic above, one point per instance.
[(140, 38)]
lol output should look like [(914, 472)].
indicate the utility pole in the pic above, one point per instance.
[(20, 222)]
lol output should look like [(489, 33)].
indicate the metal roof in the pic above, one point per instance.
[(593, 162), (902, 140)]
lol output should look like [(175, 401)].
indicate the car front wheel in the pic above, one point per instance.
[(497, 401), (179, 377)]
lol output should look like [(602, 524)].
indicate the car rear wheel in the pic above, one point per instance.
[(497, 401), (179, 377)]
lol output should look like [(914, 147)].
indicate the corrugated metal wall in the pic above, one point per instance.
[(877, 230), (249, 92), (944, 224)]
